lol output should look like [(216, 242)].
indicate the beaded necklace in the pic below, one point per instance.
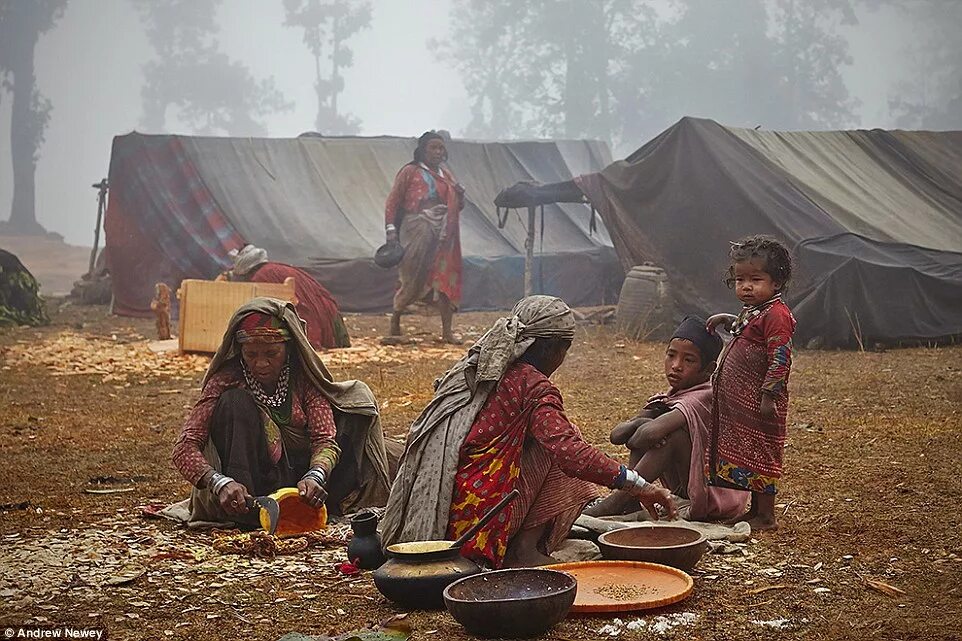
[(275, 400), (750, 312)]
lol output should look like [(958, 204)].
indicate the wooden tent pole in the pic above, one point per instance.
[(529, 254), (101, 200)]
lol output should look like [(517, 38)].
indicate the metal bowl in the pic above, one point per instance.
[(388, 255), (511, 604), (675, 545)]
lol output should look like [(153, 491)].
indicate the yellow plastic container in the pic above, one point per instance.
[(296, 517)]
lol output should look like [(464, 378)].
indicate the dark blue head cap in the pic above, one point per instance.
[(693, 329)]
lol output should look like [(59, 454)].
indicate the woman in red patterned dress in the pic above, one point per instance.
[(497, 423), (750, 404), (423, 212)]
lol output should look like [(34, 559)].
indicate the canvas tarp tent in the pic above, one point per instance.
[(876, 217), (178, 204)]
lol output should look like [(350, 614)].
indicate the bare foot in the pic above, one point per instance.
[(451, 339), (531, 559), (615, 503), (762, 524)]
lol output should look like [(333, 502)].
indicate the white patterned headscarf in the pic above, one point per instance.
[(248, 258)]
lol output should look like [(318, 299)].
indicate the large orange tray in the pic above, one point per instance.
[(657, 585)]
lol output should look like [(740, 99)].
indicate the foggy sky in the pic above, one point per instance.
[(89, 66)]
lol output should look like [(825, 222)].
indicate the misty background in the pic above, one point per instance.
[(617, 70)]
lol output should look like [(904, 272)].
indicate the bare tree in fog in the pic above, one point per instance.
[(808, 56), (546, 67), (211, 92), (21, 25), (932, 97), (327, 25), (622, 71)]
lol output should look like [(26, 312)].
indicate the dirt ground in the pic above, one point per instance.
[(871, 494)]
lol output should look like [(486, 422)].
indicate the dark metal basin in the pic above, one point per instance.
[(511, 604), (675, 545)]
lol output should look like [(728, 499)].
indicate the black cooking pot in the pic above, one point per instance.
[(416, 573)]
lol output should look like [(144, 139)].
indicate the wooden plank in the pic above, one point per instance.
[(206, 308)]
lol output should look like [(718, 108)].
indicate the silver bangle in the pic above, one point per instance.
[(217, 482), (389, 227), (634, 478), (316, 474)]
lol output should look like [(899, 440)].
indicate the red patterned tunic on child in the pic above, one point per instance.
[(746, 449), (524, 411)]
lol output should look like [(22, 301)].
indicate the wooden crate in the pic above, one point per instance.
[(206, 308)]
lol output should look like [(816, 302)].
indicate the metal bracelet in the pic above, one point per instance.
[(635, 479), (389, 227), (217, 482), (316, 474)]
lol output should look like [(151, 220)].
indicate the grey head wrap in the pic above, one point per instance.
[(248, 258), (508, 339), (420, 500)]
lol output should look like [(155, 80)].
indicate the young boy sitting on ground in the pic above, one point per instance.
[(667, 439)]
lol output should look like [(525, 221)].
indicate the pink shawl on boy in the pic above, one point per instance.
[(707, 503)]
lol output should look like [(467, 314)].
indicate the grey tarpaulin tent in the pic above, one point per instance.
[(876, 217), (178, 204)]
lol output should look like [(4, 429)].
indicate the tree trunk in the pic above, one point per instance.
[(335, 68), (23, 217), (319, 120)]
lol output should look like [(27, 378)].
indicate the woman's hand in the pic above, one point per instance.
[(766, 407), (718, 319), (651, 495), (312, 493), (390, 236), (233, 498)]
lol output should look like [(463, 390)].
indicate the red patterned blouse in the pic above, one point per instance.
[(311, 413)]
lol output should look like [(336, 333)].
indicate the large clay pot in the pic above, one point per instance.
[(416, 573), (365, 545)]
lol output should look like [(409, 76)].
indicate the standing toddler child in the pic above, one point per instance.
[(750, 403)]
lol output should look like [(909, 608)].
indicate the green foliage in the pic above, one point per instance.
[(327, 25), (211, 93), (20, 301)]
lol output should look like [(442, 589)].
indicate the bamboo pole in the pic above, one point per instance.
[(529, 254)]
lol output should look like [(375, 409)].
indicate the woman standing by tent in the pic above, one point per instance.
[(423, 213)]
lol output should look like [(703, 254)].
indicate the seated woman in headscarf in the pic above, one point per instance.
[(315, 305), (497, 423), (270, 416)]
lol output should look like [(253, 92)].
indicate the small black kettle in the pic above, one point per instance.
[(365, 545)]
